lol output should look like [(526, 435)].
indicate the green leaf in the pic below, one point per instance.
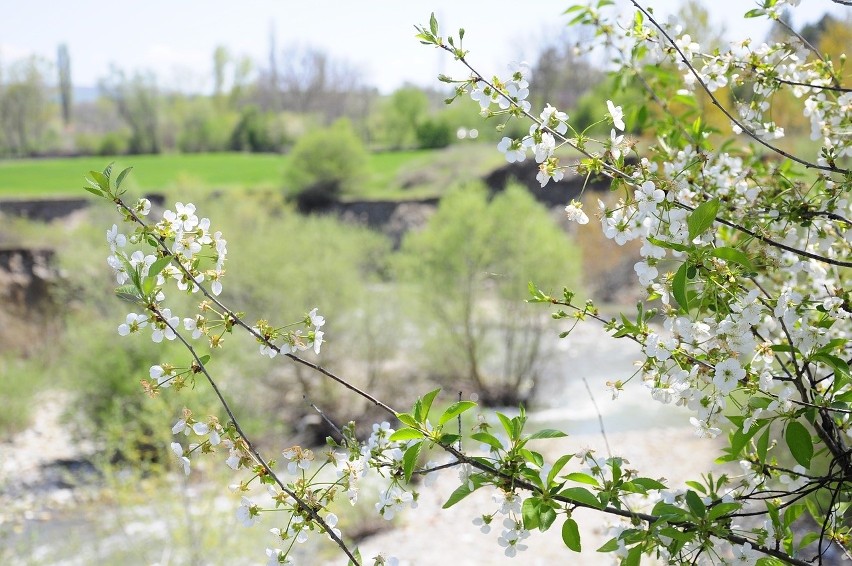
[(582, 495), (669, 245), (668, 511), (427, 403), (530, 513), (609, 546), (702, 218), (148, 286), (734, 255), (722, 509), (409, 459), (557, 467), (100, 179), (649, 483), (488, 439), (204, 359), (740, 439), (159, 265), (433, 24), (634, 556), (406, 434), (839, 365), (460, 493), (94, 191), (547, 433), (121, 177), (455, 410), (685, 99), (128, 293), (580, 477), (799, 441), (546, 516), (407, 419), (693, 501), (763, 446), (508, 425), (571, 535), (755, 13), (679, 287)]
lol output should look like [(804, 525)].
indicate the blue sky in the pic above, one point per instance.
[(176, 38)]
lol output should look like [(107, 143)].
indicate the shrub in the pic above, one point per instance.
[(433, 133), (333, 158), (470, 269)]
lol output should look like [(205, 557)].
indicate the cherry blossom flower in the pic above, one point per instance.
[(574, 212), (513, 149), (248, 513), (617, 115), (132, 324)]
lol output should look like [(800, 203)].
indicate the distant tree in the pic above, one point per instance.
[(469, 269), (137, 100), (221, 58), (560, 76), (25, 109), (835, 40), (326, 162), (63, 66), (307, 80), (401, 114)]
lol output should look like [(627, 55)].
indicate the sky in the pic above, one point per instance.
[(175, 38)]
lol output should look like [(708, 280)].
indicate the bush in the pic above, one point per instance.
[(470, 269), (333, 158), (252, 133), (113, 143), (433, 133)]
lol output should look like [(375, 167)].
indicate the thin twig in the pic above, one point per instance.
[(600, 418)]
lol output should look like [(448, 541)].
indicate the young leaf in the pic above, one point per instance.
[(571, 535), (649, 483), (530, 513), (121, 177), (634, 556), (693, 501), (580, 477), (100, 179), (427, 402), (702, 218), (158, 266), (406, 434), (128, 293), (763, 445), (582, 495), (679, 287), (433, 24), (455, 410), (557, 467), (94, 191), (734, 255), (407, 419), (409, 459), (488, 439), (547, 433), (799, 441), (460, 493)]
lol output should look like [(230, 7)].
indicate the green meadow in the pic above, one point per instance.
[(398, 174)]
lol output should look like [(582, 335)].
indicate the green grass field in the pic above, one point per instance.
[(431, 169)]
